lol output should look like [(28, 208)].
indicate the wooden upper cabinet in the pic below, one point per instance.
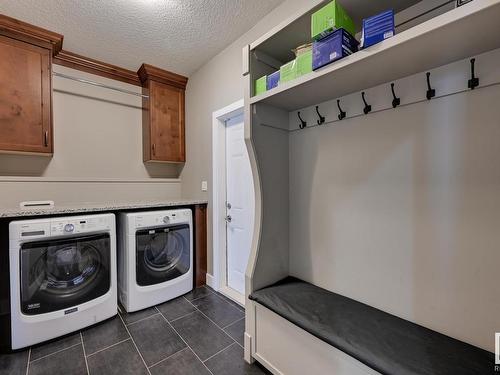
[(25, 97), (26, 87), (163, 117), (167, 122)]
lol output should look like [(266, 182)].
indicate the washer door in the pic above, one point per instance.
[(162, 254), (59, 274)]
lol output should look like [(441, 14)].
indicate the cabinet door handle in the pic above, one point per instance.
[(154, 149), (46, 138)]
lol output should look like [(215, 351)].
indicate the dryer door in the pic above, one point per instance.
[(61, 274), (162, 254)]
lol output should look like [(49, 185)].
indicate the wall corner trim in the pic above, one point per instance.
[(211, 282)]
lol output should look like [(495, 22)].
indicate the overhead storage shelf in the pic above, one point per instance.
[(466, 31)]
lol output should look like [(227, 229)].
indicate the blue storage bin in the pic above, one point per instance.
[(335, 46), (273, 80), (377, 28)]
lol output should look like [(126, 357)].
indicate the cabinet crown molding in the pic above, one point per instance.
[(148, 72), (28, 33), (86, 64)]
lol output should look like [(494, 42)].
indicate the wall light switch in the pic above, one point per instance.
[(204, 185)]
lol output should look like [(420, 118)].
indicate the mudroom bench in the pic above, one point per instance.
[(297, 322)]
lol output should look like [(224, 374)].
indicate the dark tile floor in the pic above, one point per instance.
[(199, 333)]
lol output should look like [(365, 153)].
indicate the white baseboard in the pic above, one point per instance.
[(233, 295), (211, 282)]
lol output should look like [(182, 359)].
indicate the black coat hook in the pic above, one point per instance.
[(342, 114), (430, 91), (303, 124), (395, 101), (322, 119), (368, 108), (474, 81)]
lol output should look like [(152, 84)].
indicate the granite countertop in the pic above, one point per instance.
[(91, 207)]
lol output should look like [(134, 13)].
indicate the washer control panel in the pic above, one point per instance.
[(69, 228), (79, 225), (62, 226)]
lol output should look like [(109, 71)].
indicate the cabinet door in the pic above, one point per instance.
[(167, 123), (25, 97)]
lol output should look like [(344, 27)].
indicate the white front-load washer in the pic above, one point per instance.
[(62, 276), (155, 257)]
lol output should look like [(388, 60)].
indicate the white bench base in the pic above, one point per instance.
[(284, 348)]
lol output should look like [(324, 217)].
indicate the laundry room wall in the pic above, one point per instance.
[(217, 84), (97, 151), (415, 217), (400, 210)]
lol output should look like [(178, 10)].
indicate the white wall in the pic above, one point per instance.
[(97, 151), (401, 210), (217, 84)]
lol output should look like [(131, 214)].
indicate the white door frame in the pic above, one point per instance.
[(219, 279)]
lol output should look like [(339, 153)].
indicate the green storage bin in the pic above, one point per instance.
[(304, 63), (261, 85), (330, 18), (288, 72)]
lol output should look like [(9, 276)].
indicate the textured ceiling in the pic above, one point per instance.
[(177, 35)]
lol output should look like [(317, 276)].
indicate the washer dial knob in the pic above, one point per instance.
[(69, 228)]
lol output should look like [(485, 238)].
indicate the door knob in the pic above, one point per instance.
[(228, 205), (229, 218)]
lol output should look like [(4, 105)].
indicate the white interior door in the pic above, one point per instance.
[(239, 204)]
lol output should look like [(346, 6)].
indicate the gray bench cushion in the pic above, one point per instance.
[(384, 342)]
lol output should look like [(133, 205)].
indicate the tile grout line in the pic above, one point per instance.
[(211, 293), (107, 347), (228, 300), (201, 312), (185, 342), (180, 317), (194, 299), (222, 298), (241, 346), (170, 356), (28, 364), (220, 351), (224, 329), (56, 352), (141, 320), (135, 345), (84, 355), (239, 307), (237, 321)]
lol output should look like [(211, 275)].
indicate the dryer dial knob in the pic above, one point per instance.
[(166, 219), (69, 228)]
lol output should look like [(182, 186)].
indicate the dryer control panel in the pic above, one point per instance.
[(162, 218)]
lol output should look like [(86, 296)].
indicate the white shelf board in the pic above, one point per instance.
[(296, 30), (466, 31)]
